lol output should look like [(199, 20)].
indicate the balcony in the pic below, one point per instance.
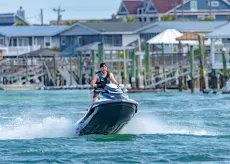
[(16, 51)]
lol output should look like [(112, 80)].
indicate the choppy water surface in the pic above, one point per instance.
[(173, 127)]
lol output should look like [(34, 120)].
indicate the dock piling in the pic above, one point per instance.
[(202, 69), (225, 77), (192, 68)]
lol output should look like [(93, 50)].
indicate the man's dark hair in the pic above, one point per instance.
[(102, 65)]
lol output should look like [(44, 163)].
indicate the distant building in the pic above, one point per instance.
[(9, 19), (153, 10), (17, 40)]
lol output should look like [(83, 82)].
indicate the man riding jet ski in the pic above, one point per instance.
[(102, 78), (111, 109)]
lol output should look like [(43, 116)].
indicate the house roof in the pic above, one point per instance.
[(190, 36), (133, 5), (10, 21), (191, 26), (6, 14), (221, 32), (196, 26), (120, 27), (163, 6), (31, 30)]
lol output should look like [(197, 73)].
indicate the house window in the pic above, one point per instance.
[(1, 41), (63, 41), (193, 5), (213, 3), (226, 40), (140, 20), (47, 42), (15, 42), (78, 41), (19, 41), (36, 41), (117, 40), (108, 39), (23, 41), (139, 11), (152, 19), (145, 19), (123, 10), (152, 8)]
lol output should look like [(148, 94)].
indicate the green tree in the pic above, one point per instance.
[(21, 24), (208, 18), (168, 18), (97, 21), (121, 20), (74, 21), (68, 23), (131, 19)]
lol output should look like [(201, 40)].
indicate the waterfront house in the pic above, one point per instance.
[(113, 33), (153, 10), (15, 40)]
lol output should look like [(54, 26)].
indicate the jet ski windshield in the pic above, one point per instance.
[(112, 88)]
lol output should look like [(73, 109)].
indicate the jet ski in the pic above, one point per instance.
[(108, 115)]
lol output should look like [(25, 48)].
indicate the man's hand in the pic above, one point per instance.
[(94, 85)]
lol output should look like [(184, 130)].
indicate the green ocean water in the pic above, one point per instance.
[(171, 127)]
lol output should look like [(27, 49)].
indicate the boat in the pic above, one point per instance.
[(109, 114)]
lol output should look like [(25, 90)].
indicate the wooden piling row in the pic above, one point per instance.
[(132, 71)]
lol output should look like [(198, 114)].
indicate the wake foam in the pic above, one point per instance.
[(52, 127), (150, 125), (49, 127)]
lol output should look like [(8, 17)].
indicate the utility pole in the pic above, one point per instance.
[(174, 5), (41, 17), (182, 9), (59, 11), (175, 10), (210, 8)]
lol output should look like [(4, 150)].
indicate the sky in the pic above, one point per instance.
[(74, 9)]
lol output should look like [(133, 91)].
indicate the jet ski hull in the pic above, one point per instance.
[(107, 117)]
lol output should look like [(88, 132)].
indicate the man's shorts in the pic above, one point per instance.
[(95, 94)]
